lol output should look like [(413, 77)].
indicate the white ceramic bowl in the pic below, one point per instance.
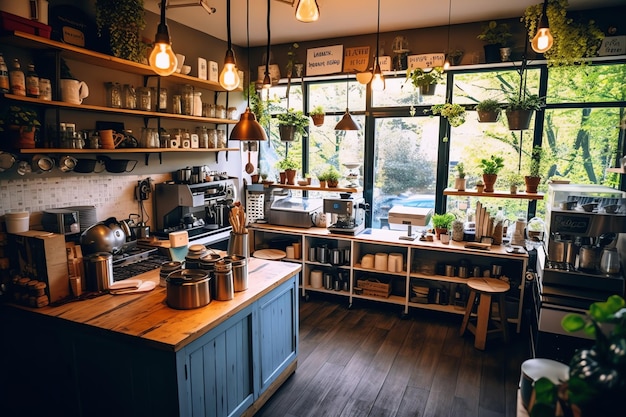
[(186, 69)]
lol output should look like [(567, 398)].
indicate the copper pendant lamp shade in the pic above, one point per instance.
[(248, 128), (347, 122)]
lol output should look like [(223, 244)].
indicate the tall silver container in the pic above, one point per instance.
[(99, 270), (238, 245), (240, 272), (223, 277)]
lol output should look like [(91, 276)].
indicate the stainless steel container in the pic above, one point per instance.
[(336, 256), (322, 254), (240, 272), (223, 276), (166, 269), (188, 289), (99, 270)]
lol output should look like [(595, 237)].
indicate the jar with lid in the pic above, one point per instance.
[(177, 104), (220, 112), (114, 94), (203, 136), (17, 79), (130, 97), (32, 82), (231, 113), (210, 111), (197, 103), (4, 76), (212, 135), (144, 98), (162, 100), (221, 138), (187, 100)]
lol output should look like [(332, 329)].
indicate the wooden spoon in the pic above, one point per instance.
[(249, 166)]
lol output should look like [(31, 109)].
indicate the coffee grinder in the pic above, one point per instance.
[(347, 214)]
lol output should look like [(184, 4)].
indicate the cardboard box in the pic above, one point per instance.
[(42, 256), (418, 216)]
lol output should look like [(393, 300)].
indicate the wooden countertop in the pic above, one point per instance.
[(148, 317), (389, 237)]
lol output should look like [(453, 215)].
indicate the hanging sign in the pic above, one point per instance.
[(384, 62), (426, 60), (325, 60), (356, 59), (613, 45)]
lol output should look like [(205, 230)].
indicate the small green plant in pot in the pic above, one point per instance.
[(332, 176), (533, 178), (488, 111), (120, 23), (291, 123), (442, 222), (289, 166), (495, 35), (455, 113), (317, 114), (425, 81), (459, 181), (491, 167), (20, 125), (520, 108)]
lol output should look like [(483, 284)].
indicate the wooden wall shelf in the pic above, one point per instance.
[(496, 194)]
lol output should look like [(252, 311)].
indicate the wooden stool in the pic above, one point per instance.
[(485, 288)]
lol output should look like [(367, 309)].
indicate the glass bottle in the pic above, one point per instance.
[(4, 76), (17, 79), (32, 82)]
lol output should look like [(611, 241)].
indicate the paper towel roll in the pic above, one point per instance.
[(380, 261), (368, 261), (395, 263), (316, 279)]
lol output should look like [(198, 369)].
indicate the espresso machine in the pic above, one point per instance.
[(347, 215), (578, 264), (200, 209)]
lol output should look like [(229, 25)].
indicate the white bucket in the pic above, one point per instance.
[(17, 222)]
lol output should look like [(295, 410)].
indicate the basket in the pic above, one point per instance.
[(374, 287)]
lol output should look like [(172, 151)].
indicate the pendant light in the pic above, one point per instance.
[(267, 81), (229, 77), (307, 11), (378, 80), (446, 64), (162, 59), (248, 128), (347, 122), (543, 39)]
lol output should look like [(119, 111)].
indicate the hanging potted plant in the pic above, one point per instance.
[(120, 23), (20, 125), (520, 109), (425, 81), (455, 113), (289, 166), (488, 111), (459, 181), (291, 123), (491, 167), (533, 178), (495, 35), (317, 114), (442, 222)]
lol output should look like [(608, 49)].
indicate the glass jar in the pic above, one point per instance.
[(177, 104), (231, 113), (221, 138), (197, 103), (212, 133), (130, 97), (211, 110), (220, 112), (187, 100), (162, 100), (203, 137), (144, 98), (114, 95)]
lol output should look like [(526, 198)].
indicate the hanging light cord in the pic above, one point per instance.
[(247, 49), (377, 36), (449, 22), (267, 61), (230, 45)]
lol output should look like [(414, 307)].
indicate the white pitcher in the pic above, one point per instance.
[(74, 91)]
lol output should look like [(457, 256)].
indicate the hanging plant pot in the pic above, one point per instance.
[(318, 119), (488, 116), (489, 180), (492, 53), (532, 183), (427, 89), (519, 119), (287, 133)]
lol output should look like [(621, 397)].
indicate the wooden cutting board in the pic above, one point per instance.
[(270, 254)]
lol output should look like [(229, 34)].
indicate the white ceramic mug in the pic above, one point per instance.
[(74, 91)]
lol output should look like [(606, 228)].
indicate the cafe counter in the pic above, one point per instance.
[(133, 355)]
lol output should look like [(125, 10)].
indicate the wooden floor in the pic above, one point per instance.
[(366, 362)]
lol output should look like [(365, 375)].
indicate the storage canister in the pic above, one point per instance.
[(166, 269), (188, 288), (99, 271), (223, 276), (240, 272)]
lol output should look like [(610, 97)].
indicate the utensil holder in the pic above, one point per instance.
[(238, 245)]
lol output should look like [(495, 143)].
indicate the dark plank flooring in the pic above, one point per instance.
[(368, 362)]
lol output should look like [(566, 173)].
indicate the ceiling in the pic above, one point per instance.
[(341, 18)]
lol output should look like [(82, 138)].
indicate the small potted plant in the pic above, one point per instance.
[(425, 81), (442, 222), (317, 114), (290, 123), (520, 108), (289, 166), (480, 186), (20, 125), (307, 177), (321, 177), (495, 35), (455, 113), (533, 178), (514, 180), (332, 177), (455, 56), (488, 111), (459, 181), (491, 167)]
